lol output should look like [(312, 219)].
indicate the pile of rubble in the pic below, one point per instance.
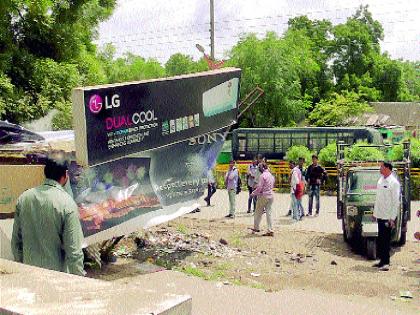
[(164, 241)]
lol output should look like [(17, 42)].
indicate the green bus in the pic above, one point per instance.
[(273, 143)]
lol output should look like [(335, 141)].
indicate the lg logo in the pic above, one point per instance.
[(96, 103)]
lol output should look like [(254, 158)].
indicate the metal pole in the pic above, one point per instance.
[(212, 29)]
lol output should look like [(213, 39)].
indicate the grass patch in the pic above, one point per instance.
[(236, 282), (224, 266), (257, 285), (236, 239), (193, 271), (181, 228)]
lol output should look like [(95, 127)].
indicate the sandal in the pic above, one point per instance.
[(268, 234), (254, 230)]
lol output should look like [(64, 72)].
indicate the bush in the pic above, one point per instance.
[(297, 151), (415, 152), (328, 155), (359, 153), (396, 153)]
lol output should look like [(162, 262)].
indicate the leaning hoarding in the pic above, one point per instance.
[(144, 149), (113, 121), (139, 156)]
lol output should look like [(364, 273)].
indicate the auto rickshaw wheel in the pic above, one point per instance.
[(371, 248)]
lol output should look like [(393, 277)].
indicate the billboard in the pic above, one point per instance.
[(142, 150), (145, 189), (113, 121)]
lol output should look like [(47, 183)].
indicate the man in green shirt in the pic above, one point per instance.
[(46, 230)]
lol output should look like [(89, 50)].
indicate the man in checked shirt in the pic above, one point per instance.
[(264, 193)]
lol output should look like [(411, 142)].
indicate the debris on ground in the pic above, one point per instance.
[(164, 241), (223, 241), (298, 257), (123, 251), (406, 294), (254, 274), (334, 263)]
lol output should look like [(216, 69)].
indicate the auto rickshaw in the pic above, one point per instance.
[(356, 193)]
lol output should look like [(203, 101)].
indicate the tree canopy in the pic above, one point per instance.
[(314, 73)]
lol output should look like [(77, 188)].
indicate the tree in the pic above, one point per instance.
[(276, 65), (46, 49), (334, 111), (354, 48), (179, 64), (411, 77), (319, 31)]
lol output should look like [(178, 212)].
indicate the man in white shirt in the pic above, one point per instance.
[(387, 204)]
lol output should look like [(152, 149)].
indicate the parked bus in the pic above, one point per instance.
[(273, 143)]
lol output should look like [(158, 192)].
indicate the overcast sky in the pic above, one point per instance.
[(160, 28)]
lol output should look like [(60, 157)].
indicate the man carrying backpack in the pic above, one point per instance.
[(315, 176)]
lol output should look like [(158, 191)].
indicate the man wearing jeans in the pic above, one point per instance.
[(264, 191), (296, 178), (211, 187), (386, 208), (252, 171), (315, 176), (231, 183)]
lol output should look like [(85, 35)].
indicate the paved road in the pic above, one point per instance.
[(326, 222), (214, 298)]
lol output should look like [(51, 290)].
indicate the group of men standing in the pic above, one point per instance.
[(312, 177), (260, 183), (47, 231)]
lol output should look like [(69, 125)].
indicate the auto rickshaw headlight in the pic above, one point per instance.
[(351, 210)]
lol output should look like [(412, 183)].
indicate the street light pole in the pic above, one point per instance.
[(212, 29)]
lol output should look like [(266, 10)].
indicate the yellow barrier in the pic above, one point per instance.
[(283, 169), (281, 172)]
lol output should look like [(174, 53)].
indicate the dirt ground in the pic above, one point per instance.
[(292, 259)]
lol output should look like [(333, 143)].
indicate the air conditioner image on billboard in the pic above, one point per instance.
[(221, 98)]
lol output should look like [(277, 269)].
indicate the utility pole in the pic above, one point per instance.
[(212, 29)]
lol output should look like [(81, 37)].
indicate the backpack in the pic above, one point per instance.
[(239, 185), (300, 188)]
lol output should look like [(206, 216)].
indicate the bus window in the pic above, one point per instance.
[(300, 138), (242, 144), (266, 142), (316, 142), (252, 143)]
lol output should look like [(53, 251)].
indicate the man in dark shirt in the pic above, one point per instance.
[(315, 176)]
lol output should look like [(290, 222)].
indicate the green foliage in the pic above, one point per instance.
[(46, 50), (63, 119), (131, 68), (276, 65), (194, 271), (328, 154), (182, 64), (355, 44), (362, 152), (396, 154), (6, 93), (313, 71), (297, 151), (411, 77), (181, 228), (335, 111)]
